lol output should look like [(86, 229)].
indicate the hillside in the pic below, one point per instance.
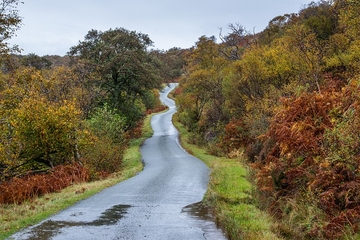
[(287, 98)]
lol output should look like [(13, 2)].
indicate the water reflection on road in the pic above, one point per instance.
[(201, 217)]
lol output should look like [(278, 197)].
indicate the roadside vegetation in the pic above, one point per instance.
[(285, 103), (14, 217), (72, 122), (231, 195)]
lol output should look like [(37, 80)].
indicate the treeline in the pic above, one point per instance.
[(287, 98), (74, 115)]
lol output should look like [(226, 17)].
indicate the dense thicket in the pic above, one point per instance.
[(288, 98)]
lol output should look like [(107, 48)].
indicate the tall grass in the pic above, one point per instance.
[(230, 195)]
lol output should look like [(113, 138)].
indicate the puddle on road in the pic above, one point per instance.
[(50, 228), (202, 218), (110, 216)]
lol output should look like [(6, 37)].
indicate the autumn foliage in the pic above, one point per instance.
[(72, 122), (289, 101), (313, 156), (235, 136), (20, 189)]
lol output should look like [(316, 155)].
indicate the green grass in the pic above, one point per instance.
[(231, 195), (15, 217)]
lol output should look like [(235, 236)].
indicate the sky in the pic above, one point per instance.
[(51, 27)]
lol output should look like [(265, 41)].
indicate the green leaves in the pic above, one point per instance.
[(105, 122), (104, 155), (10, 21), (125, 69)]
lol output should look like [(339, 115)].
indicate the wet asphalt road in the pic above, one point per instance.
[(161, 202)]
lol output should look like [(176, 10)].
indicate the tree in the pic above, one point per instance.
[(320, 18), (349, 17), (344, 46), (310, 53), (171, 63), (33, 60), (10, 21), (276, 28), (40, 120), (125, 70), (46, 132), (234, 43), (201, 106)]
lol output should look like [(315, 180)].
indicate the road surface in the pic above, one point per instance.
[(161, 202)]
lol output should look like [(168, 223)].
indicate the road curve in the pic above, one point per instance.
[(159, 203)]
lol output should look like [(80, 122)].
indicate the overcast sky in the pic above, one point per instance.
[(51, 27)]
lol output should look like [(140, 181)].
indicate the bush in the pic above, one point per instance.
[(106, 122), (43, 133), (103, 157), (104, 154)]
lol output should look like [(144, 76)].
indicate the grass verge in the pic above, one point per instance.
[(15, 217), (230, 195)]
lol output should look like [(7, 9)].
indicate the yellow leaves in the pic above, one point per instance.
[(284, 148), (29, 79), (43, 125), (349, 18), (33, 125), (298, 128), (325, 164)]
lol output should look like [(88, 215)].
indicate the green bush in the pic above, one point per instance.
[(103, 155), (106, 122)]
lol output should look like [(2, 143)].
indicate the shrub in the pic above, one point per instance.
[(236, 136), (317, 138), (106, 122), (103, 157)]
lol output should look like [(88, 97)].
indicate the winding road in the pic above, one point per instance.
[(161, 202)]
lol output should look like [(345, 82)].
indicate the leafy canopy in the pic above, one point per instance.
[(126, 72)]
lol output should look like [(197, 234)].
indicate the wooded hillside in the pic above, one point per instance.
[(287, 98)]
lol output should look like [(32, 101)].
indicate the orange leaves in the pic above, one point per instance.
[(236, 136), (18, 190), (299, 126), (317, 138)]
